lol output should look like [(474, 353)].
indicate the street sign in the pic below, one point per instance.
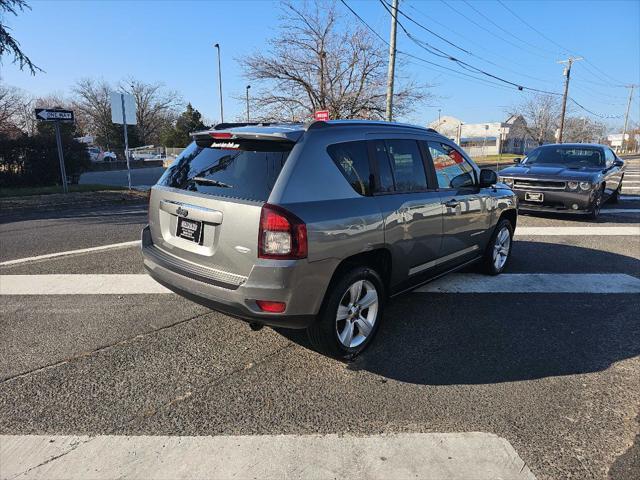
[(322, 115), (54, 115), (57, 115), (120, 101)]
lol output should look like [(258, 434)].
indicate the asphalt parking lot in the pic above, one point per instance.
[(557, 375)]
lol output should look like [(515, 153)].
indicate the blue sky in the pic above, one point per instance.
[(171, 42)]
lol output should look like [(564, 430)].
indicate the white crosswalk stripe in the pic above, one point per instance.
[(577, 231), (534, 283), (411, 455), (128, 284)]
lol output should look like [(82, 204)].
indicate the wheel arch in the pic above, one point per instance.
[(378, 259)]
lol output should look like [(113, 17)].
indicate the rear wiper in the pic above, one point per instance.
[(210, 181)]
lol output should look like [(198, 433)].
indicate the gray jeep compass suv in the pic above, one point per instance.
[(316, 226)]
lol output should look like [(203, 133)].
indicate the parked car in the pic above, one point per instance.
[(316, 226), (574, 178)]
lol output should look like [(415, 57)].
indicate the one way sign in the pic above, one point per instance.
[(54, 114)]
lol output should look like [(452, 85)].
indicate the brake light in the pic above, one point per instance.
[(271, 307), (221, 135), (282, 235)]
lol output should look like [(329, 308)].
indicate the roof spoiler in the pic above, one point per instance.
[(275, 132)]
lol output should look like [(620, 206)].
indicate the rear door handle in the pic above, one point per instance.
[(453, 203)]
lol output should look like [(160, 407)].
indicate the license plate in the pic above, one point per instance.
[(189, 230), (534, 196)]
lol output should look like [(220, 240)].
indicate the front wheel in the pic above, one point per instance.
[(498, 251), (596, 205), (350, 316)]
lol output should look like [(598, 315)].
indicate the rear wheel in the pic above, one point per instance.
[(498, 251), (350, 316)]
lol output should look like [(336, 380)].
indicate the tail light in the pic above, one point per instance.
[(282, 235), (271, 307)]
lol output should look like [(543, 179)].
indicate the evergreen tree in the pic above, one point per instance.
[(179, 135)]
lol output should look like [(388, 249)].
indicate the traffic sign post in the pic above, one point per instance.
[(56, 116), (121, 105)]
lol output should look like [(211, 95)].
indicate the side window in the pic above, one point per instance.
[(352, 158), (381, 157), (407, 165), (452, 170)]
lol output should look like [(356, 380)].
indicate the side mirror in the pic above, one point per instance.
[(517, 160), (618, 163), (488, 178)]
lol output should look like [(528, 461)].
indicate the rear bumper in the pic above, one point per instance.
[(558, 201), (235, 301)]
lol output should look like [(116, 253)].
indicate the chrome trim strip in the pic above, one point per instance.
[(446, 258), (192, 211)]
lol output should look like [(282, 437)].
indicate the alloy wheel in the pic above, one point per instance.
[(357, 313), (501, 248)]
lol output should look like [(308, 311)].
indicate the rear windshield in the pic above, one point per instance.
[(245, 170)]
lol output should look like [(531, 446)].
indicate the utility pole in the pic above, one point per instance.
[(217, 45), (626, 116), (567, 74), (392, 60), (248, 87)]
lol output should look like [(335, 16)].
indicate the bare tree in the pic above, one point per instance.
[(583, 130), (314, 63), (156, 108), (16, 112), (10, 100), (541, 113), (8, 44), (92, 106)]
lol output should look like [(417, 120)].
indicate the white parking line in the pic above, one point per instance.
[(612, 211), (453, 456), (581, 231), (70, 252), (124, 284), (92, 284), (534, 283)]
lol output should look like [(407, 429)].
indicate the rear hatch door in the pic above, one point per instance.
[(205, 209)]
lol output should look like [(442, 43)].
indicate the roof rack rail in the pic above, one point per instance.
[(339, 123)]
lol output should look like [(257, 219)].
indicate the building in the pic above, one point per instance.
[(615, 141), (482, 139)]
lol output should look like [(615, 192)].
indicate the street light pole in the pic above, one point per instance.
[(248, 87), (217, 45)]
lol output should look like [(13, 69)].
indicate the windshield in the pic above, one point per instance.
[(246, 170), (572, 157)]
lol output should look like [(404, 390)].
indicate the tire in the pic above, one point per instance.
[(329, 335), (597, 204), (498, 252)]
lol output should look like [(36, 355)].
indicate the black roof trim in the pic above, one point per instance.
[(363, 123)]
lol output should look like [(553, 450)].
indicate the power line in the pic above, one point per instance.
[(468, 52), (595, 114), (440, 53), (618, 84), (499, 27), (456, 73), (491, 32)]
